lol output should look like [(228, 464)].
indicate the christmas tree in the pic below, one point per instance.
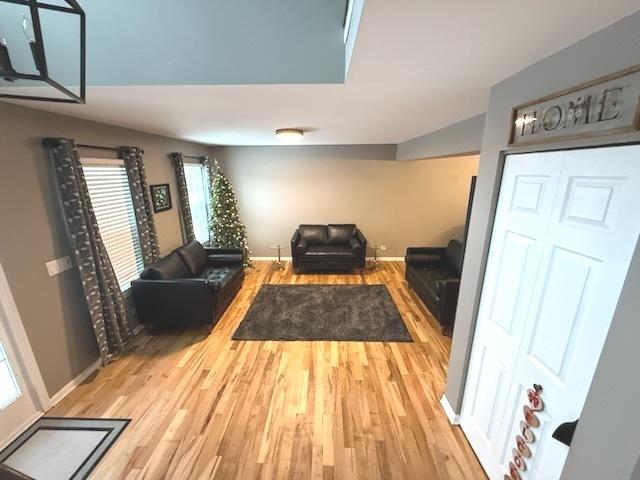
[(227, 231)]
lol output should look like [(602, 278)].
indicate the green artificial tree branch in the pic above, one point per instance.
[(226, 229)]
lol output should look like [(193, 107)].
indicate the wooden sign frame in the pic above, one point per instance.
[(595, 100)]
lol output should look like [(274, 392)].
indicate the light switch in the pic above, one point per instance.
[(59, 265)]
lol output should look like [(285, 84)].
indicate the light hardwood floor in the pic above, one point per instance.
[(206, 407)]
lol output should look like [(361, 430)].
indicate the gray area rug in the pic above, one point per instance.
[(62, 448), (363, 313)]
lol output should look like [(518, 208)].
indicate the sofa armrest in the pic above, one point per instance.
[(424, 256), (224, 257), (295, 238), (294, 242), (427, 250), (223, 251), (356, 245), (448, 302), (301, 247), (363, 242), (170, 302)]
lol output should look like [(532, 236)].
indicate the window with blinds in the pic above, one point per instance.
[(111, 199), (198, 188)]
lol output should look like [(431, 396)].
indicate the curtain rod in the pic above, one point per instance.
[(99, 147)]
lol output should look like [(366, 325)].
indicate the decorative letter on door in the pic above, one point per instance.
[(526, 435)]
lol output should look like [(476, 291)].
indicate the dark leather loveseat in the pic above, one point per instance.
[(328, 247), (434, 274), (192, 285)]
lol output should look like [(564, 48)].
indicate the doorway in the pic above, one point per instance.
[(562, 241), (23, 397)]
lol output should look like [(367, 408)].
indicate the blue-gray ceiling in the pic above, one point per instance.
[(194, 42)]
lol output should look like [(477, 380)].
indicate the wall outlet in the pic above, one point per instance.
[(59, 265), (382, 248)]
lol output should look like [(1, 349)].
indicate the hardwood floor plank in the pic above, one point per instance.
[(206, 407)]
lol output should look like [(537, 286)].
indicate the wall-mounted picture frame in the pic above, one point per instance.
[(161, 197), (606, 106)]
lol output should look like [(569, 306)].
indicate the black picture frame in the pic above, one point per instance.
[(161, 197)]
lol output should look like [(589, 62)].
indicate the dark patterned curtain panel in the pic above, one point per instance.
[(208, 168), (185, 209), (206, 163), (101, 289), (141, 197)]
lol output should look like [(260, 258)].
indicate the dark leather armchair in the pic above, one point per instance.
[(328, 247), (192, 285), (434, 275)]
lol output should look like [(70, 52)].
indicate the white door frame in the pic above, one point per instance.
[(12, 323)]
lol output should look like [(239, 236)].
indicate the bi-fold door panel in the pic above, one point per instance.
[(573, 275)]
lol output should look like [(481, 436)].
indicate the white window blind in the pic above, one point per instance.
[(111, 199), (198, 188)]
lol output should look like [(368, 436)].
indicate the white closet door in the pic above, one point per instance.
[(561, 245), (526, 200)]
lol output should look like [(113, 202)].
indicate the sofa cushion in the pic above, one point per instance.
[(194, 256), (313, 234), (422, 286), (166, 268), (329, 252), (433, 279), (341, 234), (453, 256), (221, 277)]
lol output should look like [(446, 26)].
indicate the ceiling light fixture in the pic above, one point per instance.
[(289, 135), (30, 23)]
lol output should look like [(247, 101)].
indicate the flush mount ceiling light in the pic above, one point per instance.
[(25, 70), (289, 135)]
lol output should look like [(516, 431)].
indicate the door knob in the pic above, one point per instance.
[(564, 433)]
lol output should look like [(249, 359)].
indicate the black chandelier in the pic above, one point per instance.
[(26, 15)]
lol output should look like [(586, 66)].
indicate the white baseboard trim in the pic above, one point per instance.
[(454, 419), (13, 435), (288, 259), (66, 390), (271, 259)]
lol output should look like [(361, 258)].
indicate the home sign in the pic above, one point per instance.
[(605, 106)]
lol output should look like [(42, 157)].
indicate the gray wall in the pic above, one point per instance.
[(461, 138), (608, 428), (396, 204), (53, 309)]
